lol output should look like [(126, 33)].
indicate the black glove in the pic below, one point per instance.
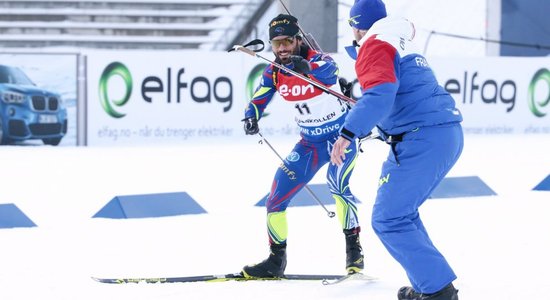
[(345, 86), (251, 126), (301, 65)]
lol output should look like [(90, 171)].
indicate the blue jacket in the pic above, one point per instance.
[(400, 91)]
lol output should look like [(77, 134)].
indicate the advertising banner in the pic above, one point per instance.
[(38, 104), (174, 97), (167, 97), (496, 95), (499, 95)]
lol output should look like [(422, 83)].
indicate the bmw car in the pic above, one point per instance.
[(28, 112)]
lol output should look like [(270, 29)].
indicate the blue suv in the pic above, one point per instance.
[(29, 112)]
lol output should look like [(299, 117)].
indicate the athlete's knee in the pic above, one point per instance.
[(337, 190), (332, 186), (273, 206)]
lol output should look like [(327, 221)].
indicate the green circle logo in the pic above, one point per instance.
[(535, 106), (114, 69)]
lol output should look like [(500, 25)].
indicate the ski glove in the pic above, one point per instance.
[(301, 65), (251, 126), (345, 86)]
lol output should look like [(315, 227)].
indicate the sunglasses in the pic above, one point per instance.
[(285, 42)]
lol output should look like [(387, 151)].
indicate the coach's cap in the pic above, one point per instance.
[(364, 13)]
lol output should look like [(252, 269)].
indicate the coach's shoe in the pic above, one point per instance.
[(447, 293), (273, 267), (354, 252)]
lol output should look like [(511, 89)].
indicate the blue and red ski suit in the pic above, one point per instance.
[(320, 117), (402, 97)]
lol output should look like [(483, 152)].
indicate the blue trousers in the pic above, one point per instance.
[(424, 157), (299, 168)]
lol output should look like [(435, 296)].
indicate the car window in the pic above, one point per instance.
[(13, 76)]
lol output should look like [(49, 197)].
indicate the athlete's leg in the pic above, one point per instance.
[(297, 170), (338, 182)]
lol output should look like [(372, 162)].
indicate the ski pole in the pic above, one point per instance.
[(308, 37), (331, 214), (314, 83)]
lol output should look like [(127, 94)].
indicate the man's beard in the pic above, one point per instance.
[(286, 59)]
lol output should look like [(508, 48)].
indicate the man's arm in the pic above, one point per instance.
[(377, 68), (262, 96)]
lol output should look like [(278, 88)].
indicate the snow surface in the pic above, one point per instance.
[(498, 245)]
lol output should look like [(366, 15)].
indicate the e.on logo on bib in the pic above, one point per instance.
[(295, 90)]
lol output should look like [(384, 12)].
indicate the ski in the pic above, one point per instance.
[(212, 278), (349, 277)]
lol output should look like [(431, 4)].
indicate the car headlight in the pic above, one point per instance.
[(61, 101), (12, 97)]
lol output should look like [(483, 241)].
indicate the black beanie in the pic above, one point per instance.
[(283, 25)]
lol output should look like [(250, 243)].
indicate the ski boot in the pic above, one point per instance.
[(273, 267), (354, 252), (447, 293)]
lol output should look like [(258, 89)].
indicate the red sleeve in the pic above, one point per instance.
[(375, 63)]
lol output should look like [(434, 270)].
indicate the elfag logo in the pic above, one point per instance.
[(109, 104), (538, 104)]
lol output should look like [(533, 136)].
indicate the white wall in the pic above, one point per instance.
[(466, 18)]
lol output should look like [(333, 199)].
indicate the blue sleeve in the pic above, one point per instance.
[(262, 95), (377, 69), (375, 105), (324, 69)]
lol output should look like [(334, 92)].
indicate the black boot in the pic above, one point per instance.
[(273, 267), (354, 252), (447, 293)]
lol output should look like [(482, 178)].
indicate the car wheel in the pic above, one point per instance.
[(52, 141)]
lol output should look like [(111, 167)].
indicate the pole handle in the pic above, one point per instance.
[(244, 50)]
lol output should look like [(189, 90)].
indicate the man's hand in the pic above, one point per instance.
[(251, 126), (345, 86), (338, 154), (301, 65)]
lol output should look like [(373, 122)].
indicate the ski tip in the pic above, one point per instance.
[(108, 280), (351, 277)]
